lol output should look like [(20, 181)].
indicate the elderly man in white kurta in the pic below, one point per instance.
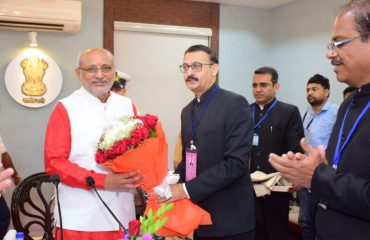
[(73, 131)]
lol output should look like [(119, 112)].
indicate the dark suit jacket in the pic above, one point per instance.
[(279, 133), (347, 190), (223, 186)]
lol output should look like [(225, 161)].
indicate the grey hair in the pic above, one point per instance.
[(360, 9), (109, 54)]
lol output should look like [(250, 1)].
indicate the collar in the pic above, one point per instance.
[(365, 89), (206, 94), (324, 108), (92, 98), (361, 94), (267, 106)]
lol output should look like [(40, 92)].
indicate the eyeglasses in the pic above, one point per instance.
[(94, 70), (197, 67), (333, 45)]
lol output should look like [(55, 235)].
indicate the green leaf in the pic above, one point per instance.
[(164, 208), (169, 206), (152, 133), (154, 221), (159, 224), (151, 229), (150, 213)]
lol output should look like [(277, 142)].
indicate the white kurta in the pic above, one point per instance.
[(81, 209)]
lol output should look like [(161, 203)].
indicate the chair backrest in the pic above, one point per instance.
[(32, 206)]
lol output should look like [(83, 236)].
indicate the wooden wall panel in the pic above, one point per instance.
[(108, 24), (167, 12)]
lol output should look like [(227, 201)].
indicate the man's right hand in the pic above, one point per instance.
[(299, 168), (123, 180)]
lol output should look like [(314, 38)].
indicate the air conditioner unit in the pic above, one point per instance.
[(41, 15)]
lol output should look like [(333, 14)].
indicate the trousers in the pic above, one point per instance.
[(307, 214), (243, 236), (273, 216)]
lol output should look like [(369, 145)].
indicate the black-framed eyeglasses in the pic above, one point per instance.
[(333, 45), (196, 66), (94, 70)]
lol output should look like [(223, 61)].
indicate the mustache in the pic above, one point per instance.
[(336, 62), (192, 78)]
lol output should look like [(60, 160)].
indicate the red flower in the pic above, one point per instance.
[(134, 227), (100, 156), (137, 136), (121, 147)]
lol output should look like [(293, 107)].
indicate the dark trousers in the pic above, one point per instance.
[(4, 217), (307, 214), (243, 236), (273, 216)]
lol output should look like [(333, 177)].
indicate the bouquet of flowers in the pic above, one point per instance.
[(133, 143), (126, 134), (139, 143)]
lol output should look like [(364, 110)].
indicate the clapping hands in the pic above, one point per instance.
[(299, 168)]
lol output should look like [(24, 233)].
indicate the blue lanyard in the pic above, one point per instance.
[(195, 122), (304, 117), (339, 148), (264, 116)]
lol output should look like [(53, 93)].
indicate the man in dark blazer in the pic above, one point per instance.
[(277, 129), (340, 177), (216, 131)]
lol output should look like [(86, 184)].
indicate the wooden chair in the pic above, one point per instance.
[(32, 206)]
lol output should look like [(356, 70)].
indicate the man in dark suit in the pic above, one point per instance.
[(277, 129), (216, 132), (340, 177)]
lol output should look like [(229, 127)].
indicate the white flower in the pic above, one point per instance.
[(118, 131)]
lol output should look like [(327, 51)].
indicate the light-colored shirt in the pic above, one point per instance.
[(318, 127)]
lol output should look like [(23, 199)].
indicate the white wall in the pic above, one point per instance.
[(299, 36), (244, 46), (291, 38), (160, 89)]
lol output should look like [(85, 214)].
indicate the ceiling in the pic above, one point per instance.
[(251, 3)]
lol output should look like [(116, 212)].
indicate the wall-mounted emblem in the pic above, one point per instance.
[(33, 79)]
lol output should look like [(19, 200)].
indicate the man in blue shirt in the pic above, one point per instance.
[(318, 122)]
